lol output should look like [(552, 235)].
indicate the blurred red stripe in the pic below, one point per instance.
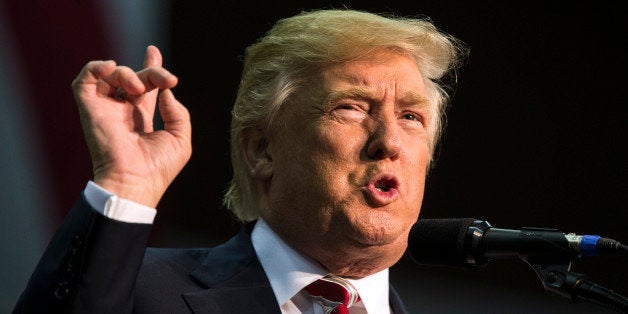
[(54, 40)]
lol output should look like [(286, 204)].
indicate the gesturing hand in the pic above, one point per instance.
[(116, 107)]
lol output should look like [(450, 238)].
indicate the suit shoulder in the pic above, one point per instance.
[(177, 259)]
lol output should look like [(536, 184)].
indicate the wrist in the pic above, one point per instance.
[(138, 191)]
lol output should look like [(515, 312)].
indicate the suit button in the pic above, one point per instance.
[(76, 242), (62, 291), (68, 275), (70, 264)]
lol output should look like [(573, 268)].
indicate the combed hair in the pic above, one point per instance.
[(299, 47)]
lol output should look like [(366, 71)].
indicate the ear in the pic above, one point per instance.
[(254, 146)]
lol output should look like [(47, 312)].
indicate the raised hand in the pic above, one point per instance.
[(116, 107)]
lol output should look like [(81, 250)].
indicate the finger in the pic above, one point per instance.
[(157, 77), (126, 80), (152, 58), (175, 116), (93, 71)]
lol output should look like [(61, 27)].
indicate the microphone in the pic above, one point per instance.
[(472, 242)]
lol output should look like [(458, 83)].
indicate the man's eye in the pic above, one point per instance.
[(411, 116), (347, 107)]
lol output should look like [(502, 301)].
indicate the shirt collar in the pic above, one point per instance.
[(289, 271), (374, 291)]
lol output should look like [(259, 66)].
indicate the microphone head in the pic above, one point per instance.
[(440, 241)]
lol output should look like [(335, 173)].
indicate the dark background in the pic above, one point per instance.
[(535, 136)]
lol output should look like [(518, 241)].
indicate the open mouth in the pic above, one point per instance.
[(383, 185), (382, 190)]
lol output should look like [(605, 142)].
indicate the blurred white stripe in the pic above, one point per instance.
[(134, 25)]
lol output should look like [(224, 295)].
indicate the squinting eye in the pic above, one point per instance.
[(410, 116)]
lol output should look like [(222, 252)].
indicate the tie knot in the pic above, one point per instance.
[(334, 293)]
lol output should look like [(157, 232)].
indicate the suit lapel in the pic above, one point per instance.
[(233, 300), (234, 278), (395, 302)]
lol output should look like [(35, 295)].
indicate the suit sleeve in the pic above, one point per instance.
[(89, 266)]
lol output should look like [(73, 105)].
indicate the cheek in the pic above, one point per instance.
[(338, 149), (417, 167), (338, 138), (321, 157), (414, 169), (417, 152)]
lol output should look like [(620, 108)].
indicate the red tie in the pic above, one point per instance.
[(334, 294)]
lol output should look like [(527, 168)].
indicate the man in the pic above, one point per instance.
[(336, 118)]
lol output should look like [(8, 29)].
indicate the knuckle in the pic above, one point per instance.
[(124, 70)]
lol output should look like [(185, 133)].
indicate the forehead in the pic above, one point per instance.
[(379, 74)]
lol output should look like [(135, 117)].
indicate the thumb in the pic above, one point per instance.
[(152, 58), (175, 116)]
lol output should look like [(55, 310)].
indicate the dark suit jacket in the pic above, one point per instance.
[(98, 265)]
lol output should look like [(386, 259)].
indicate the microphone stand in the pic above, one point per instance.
[(557, 278)]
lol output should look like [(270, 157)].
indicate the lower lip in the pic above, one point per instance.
[(380, 198)]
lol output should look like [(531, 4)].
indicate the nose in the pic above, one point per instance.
[(385, 142)]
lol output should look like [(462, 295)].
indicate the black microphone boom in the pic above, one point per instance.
[(472, 242)]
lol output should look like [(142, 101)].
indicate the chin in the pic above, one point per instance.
[(379, 232)]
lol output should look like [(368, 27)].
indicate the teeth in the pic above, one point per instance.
[(382, 185)]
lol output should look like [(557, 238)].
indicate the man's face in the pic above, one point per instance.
[(348, 169)]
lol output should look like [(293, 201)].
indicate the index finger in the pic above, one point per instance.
[(157, 77), (93, 71)]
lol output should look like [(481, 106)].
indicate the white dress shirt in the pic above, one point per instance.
[(287, 270), (109, 205)]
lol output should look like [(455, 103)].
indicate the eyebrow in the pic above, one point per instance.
[(409, 98)]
